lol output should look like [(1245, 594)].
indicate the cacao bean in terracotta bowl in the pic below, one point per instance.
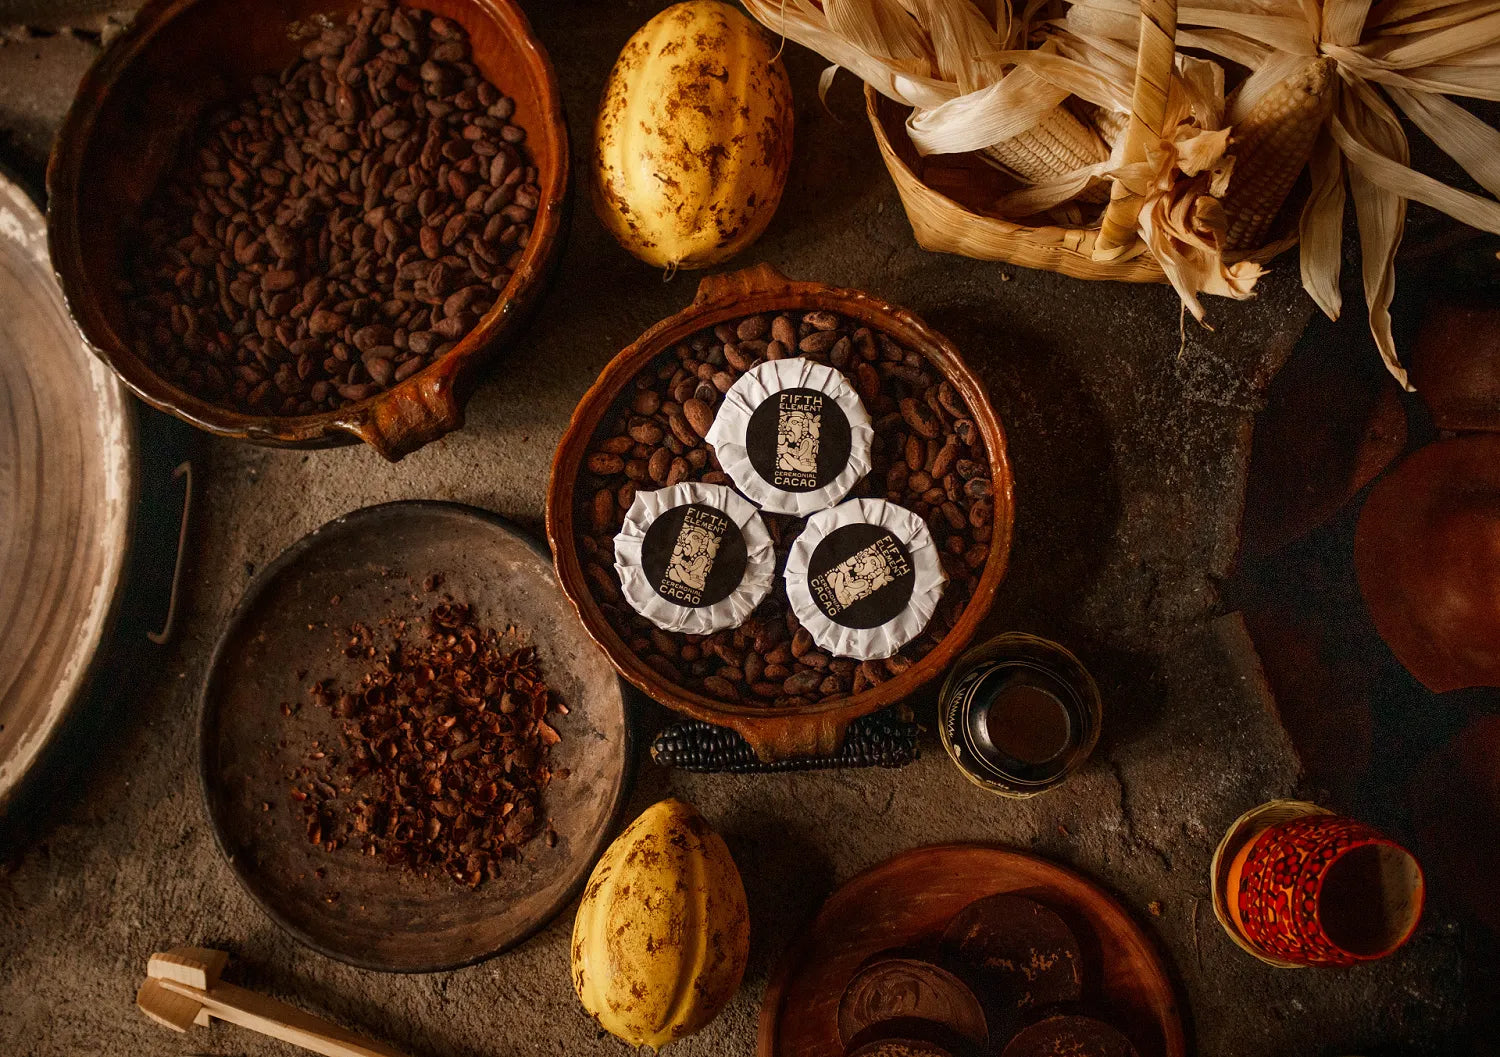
[(305, 222), (939, 450)]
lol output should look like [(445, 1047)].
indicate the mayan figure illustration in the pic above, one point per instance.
[(797, 442), (693, 555), (859, 576)]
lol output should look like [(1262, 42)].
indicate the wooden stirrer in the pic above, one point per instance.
[(183, 989)]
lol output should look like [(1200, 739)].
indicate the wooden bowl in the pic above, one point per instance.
[(70, 478), (351, 906), (148, 90), (908, 900), (775, 733)]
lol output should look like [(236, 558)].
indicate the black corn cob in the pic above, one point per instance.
[(882, 739)]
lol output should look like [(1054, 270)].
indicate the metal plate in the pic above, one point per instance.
[(68, 481), (286, 635)]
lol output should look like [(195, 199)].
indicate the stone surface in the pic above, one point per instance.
[(1129, 448)]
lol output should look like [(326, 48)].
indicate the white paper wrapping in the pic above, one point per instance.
[(641, 592), (754, 387), (883, 640)]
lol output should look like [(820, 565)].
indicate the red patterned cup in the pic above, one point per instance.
[(1325, 890)]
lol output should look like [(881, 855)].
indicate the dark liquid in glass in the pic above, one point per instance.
[(1023, 722), (1019, 714)]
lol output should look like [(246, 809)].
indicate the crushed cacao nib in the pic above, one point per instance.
[(444, 748)]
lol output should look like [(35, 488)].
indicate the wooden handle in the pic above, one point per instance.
[(403, 419), (279, 1021), (783, 737), (728, 286), (1155, 61)]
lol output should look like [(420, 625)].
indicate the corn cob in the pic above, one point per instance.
[(1270, 148), (883, 739), (1111, 124), (1058, 144)]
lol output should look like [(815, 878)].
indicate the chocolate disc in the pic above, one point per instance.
[(1023, 955), (899, 1048), (895, 989), (1069, 1037)]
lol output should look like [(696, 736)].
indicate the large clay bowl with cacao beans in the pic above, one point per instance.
[(146, 94), (816, 729)]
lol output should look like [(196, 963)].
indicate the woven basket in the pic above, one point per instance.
[(938, 191)]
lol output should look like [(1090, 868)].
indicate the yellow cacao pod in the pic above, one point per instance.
[(694, 137), (663, 932)]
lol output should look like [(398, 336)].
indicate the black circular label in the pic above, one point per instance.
[(798, 440), (860, 576), (694, 555)]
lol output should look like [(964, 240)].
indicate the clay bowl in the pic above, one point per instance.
[(775, 733), (1427, 556), (147, 92)]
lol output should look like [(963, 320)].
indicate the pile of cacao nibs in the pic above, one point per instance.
[(338, 230), (444, 754), (928, 456)]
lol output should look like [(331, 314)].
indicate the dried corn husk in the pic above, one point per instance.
[(1401, 54), (995, 79)]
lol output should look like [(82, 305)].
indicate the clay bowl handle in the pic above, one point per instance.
[(729, 287), (787, 736), (401, 420)]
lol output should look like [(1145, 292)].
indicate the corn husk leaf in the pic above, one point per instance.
[(1006, 108), (893, 68), (1321, 229), (1412, 53), (977, 72), (1369, 124)]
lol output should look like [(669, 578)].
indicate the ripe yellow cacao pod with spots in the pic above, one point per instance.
[(694, 137), (663, 932)]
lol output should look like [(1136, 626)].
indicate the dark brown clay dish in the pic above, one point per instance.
[(1427, 556), (291, 630), (906, 902), (798, 730), (148, 91)]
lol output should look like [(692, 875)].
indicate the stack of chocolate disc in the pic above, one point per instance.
[(1006, 978)]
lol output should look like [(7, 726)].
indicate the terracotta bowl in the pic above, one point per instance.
[(775, 733), (147, 92), (1427, 557)]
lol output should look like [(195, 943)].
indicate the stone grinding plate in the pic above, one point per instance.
[(374, 560), (68, 480)]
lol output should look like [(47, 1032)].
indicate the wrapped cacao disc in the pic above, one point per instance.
[(893, 990), (864, 578), (694, 558), (793, 436), (1069, 1037), (1022, 955)]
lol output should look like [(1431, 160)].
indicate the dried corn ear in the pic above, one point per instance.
[(1271, 146), (1111, 124), (1057, 145)]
